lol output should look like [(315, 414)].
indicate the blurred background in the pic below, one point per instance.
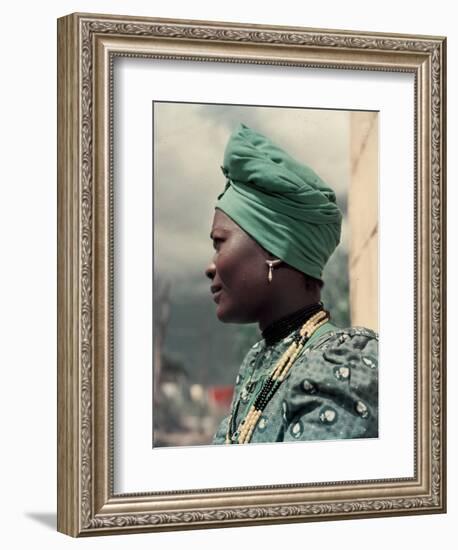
[(196, 357)]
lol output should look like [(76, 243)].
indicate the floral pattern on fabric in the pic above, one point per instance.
[(331, 391)]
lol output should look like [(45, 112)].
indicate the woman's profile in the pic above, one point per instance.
[(274, 228)]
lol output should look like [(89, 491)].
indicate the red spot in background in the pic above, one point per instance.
[(221, 396)]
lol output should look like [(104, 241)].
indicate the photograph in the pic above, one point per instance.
[(265, 274)]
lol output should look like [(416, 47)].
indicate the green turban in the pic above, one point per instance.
[(281, 203)]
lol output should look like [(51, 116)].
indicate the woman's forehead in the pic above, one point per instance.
[(222, 222)]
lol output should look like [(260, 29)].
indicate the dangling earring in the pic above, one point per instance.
[(271, 264)]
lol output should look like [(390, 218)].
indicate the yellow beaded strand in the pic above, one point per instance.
[(283, 375), (294, 349)]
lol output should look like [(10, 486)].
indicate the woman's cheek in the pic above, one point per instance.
[(236, 267), (224, 267)]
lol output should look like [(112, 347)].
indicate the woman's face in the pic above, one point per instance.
[(238, 272)]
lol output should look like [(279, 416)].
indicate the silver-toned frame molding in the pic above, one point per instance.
[(87, 45)]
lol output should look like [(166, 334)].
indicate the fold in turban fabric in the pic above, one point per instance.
[(281, 203)]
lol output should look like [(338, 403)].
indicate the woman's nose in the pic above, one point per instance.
[(211, 270)]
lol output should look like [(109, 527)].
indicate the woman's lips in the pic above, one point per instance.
[(216, 292), (217, 295)]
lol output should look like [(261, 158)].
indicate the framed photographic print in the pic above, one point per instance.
[(251, 291)]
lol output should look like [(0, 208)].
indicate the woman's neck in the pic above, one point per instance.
[(281, 327), (284, 305)]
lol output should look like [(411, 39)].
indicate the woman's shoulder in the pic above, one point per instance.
[(349, 336), (332, 389), (340, 351)]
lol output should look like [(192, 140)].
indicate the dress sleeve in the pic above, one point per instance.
[(332, 392)]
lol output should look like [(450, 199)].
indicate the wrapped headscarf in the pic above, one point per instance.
[(281, 203)]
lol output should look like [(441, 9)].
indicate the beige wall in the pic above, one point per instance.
[(363, 219)]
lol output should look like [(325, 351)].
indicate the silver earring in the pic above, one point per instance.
[(272, 264)]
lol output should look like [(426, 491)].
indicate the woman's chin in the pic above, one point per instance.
[(222, 314), (226, 315)]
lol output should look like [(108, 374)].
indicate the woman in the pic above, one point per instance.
[(275, 226)]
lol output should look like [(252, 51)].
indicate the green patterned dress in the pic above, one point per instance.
[(331, 391)]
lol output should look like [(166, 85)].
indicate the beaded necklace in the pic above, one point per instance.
[(272, 383)]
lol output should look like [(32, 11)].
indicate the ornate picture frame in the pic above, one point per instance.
[(88, 45)]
